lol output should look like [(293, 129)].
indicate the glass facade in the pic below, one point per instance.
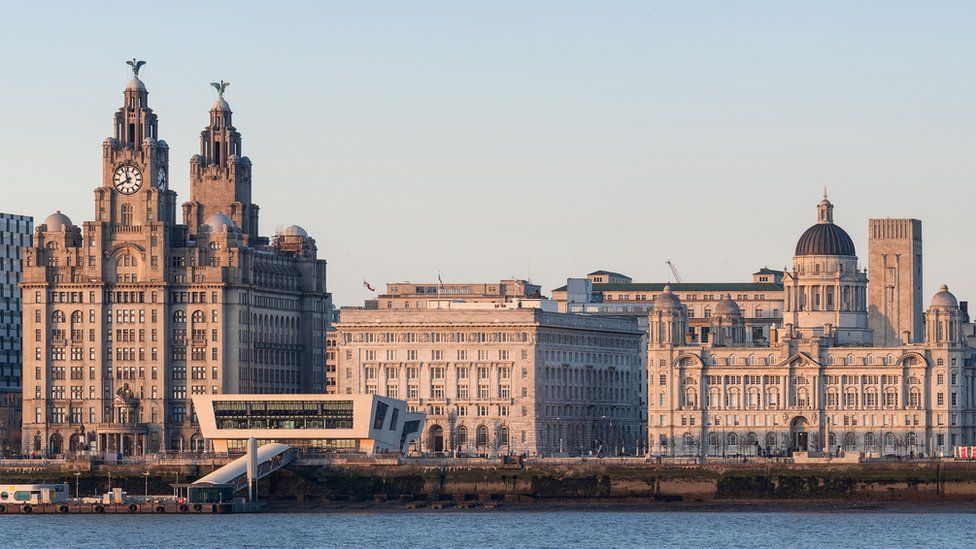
[(239, 446), (283, 414), (15, 235)]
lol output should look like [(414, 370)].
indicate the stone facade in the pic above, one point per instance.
[(895, 271), (130, 315), (498, 381), (820, 382), (437, 295), (608, 293)]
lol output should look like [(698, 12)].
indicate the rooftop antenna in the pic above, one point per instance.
[(674, 270)]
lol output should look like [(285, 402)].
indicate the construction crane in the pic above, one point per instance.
[(674, 271)]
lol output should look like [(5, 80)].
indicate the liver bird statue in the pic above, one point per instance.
[(136, 65), (220, 87)]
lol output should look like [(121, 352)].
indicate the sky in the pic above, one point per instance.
[(531, 139)]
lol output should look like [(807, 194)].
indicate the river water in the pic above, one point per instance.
[(499, 528)]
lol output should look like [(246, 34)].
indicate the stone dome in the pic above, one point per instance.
[(220, 105), (219, 222), (294, 230), (825, 238), (58, 222), (666, 300), (135, 84), (726, 306), (944, 298)]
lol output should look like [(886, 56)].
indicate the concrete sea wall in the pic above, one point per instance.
[(563, 484)]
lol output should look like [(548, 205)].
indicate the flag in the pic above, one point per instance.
[(368, 286), (439, 279)]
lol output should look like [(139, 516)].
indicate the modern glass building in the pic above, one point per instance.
[(348, 423), (15, 235)]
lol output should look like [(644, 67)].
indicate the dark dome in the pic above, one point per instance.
[(825, 239)]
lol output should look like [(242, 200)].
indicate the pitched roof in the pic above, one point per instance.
[(766, 271)]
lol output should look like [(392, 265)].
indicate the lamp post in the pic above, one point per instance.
[(559, 423), (77, 484), (110, 481), (146, 475)]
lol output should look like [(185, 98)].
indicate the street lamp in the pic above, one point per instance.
[(146, 475), (559, 421), (77, 484), (110, 481)]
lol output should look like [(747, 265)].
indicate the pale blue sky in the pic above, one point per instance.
[(477, 138)]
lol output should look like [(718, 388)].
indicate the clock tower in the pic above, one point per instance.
[(135, 165), (220, 176)]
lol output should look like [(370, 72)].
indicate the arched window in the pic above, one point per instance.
[(731, 360), (179, 317), (76, 317), (732, 439), (802, 397), (830, 360), (869, 441), (832, 440), (770, 360), (869, 360), (850, 440), (751, 361), (732, 398), (890, 359), (503, 436), (462, 435), (713, 439), (752, 439), (57, 317), (911, 439), (198, 317), (770, 440), (481, 437), (688, 440), (849, 359), (889, 440)]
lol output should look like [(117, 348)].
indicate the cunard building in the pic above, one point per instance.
[(127, 316), (859, 362)]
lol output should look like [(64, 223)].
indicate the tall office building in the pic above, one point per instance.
[(128, 316), (895, 281), (15, 235), (502, 380)]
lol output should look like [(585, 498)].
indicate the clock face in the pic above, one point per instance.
[(127, 179), (161, 178)]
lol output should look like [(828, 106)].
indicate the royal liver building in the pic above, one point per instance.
[(840, 373), (126, 317)]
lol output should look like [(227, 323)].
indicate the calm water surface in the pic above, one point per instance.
[(495, 529)]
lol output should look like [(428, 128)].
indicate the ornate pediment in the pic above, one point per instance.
[(800, 360)]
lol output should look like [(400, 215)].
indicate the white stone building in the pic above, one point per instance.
[(820, 381)]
